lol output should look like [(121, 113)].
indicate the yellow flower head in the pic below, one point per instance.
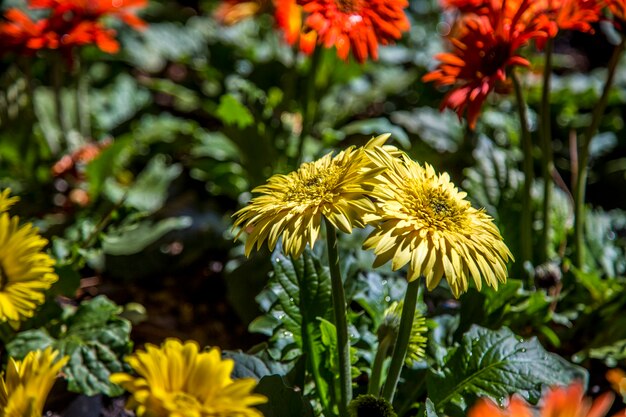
[(425, 221), (176, 380), (26, 383), (25, 271), (292, 205), (6, 201)]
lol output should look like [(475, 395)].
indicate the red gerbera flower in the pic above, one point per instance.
[(80, 10), (555, 15), (357, 25), (88, 32), (485, 47), (20, 34)]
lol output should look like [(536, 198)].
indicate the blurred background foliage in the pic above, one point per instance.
[(191, 115)]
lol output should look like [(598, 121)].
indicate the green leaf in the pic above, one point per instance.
[(118, 102), (252, 366), (427, 409), (94, 338), (298, 294), (232, 112), (149, 192), (135, 237), (496, 364), (283, 401)]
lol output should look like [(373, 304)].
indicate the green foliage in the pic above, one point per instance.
[(495, 364), (283, 400), (94, 337), (297, 303)]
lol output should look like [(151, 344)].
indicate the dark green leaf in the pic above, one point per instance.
[(251, 366), (137, 236), (496, 364), (282, 400), (94, 338)]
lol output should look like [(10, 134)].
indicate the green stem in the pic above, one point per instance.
[(402, 342), (314, 365), (57, 84), (310, 102), (82, 99), (377, 367), (548, 157), (583, 157), (527, 150), (341, 320)]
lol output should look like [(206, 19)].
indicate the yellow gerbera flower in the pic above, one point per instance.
[(425, 221), (26, 383), (25, 271), (176, 380), (6, 201), (293, 204)]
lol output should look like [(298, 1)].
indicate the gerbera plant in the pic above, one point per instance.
[(333, 190)]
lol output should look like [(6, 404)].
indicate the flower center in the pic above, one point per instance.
[(347, 6), (439, 207), (434, 207), (313, 187), (494, 58), (185, 401)]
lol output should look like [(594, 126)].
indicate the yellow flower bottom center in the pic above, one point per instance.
[(187, 403)]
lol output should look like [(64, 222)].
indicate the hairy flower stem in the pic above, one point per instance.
[(547, 159), (377, 368), (402, 342), (583, 157), (341, 321), (527, 150)]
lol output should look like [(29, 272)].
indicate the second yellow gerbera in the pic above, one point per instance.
[(426, 222), (177, 380), (293, 205)]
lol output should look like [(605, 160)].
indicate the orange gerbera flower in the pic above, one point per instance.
[(465, 6), (230, 12), (555, 15), (22, 35), (558, 402), (618, 10), (485, 46), (357, 25), (81, 10)]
